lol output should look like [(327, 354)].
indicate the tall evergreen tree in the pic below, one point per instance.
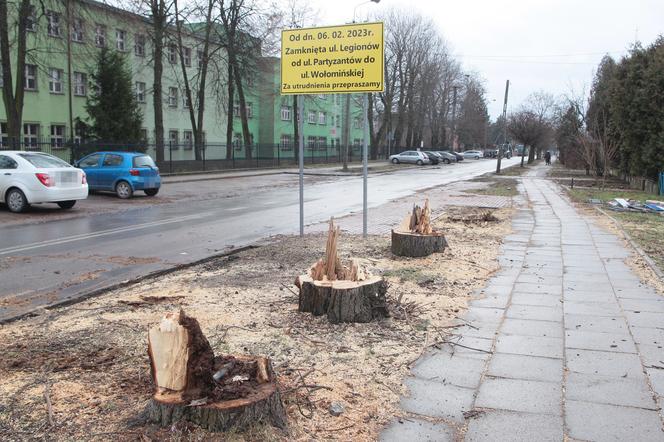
[(114, 113)]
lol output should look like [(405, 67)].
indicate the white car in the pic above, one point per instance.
[(473, 154), (34, 178), (410, 156)]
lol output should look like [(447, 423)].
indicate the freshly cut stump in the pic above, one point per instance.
[(343, 300), (218, 393), (417, 245)]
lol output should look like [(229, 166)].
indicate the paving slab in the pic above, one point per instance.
[(508, 426), (536, 312), (527, 327), (604, 363), (417, 430), (605, 324), (434, 399), (588, 340), (530, 346), (520, 395), (529, 368), (450, 369), (601, 422), (609, 390)]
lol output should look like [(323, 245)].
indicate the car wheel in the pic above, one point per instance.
[(16, 201), (151, 192), (66, 204), (446, 161), (395, 161), (477, 158), (124, 190), (419, 162)]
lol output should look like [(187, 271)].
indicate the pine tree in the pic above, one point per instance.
[(114, 113)]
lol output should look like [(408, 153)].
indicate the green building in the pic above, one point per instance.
[(63, 40)]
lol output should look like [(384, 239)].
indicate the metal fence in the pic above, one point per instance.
[(184, 157)]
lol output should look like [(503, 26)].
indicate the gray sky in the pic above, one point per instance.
[(537, 44)]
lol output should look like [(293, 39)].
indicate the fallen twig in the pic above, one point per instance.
[(340, 429), (49, 406)]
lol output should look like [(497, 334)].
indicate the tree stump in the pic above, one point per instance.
[(344, 301), (415, 237), (417, 245), (217, 393)]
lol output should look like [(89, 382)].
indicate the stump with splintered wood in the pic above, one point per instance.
[(343, 293), (415, 237), (218, 393)]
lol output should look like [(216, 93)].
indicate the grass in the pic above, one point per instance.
[(647, 230), (582, 195), (501, 187), (517, 170)]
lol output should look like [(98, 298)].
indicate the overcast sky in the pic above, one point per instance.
[(550, 45)]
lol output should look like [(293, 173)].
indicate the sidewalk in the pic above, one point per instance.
[(565, 343)]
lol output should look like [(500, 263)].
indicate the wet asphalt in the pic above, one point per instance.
[(62, 260)]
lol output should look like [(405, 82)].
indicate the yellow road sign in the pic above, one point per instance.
[(334, 59)]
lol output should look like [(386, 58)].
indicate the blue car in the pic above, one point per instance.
[(121, 172)]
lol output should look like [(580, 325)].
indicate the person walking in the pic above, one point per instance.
[(547, 158)]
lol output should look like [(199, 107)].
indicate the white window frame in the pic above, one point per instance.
[(199, 58), (236, 109), (58, 139), (185, 101), (173, 97), (311, 117), (174, 141), (53, 28), (186, 55), (139, 45), (188, 139), (77, 30), (55, 77), (121, 40), (31, 76), (249, 107), (100, 35), (322, 118), (172, 53), (140, 91), (30, 139), (286, 140), (356, 124), (285, 113), (311, 142), (31, 25), (4, 136), (80, 84)]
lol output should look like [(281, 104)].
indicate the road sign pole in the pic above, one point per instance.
[(365, 161), (300, 114), (501, 149)]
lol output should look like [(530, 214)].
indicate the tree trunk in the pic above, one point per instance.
[(158, 22), (416, 245), (246, 135), (344, 301), (229, 113)]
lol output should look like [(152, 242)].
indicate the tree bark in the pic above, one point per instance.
[(417, 245), (344, 301), (159, 13), (229, 113)]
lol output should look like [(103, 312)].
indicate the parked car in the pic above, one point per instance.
[(474, 154), (34, 178), (410, 156), (433, 157), (446, 157), (121, 172), (458, 155)]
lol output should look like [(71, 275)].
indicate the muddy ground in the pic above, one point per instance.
[(89, 361)]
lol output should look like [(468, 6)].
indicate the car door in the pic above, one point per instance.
[(112, 167), (7, 170), (410, 156), (90, 166)]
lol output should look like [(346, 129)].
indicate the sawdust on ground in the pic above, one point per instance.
[(90, 362)]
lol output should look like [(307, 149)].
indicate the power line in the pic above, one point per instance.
[(579, 54)]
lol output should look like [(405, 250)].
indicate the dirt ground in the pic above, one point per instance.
[(89, 361)]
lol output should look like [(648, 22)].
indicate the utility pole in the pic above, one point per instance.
[(454, 102), (501, 148)]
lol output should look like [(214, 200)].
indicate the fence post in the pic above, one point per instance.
[(278, 155), (203, 147), (170, 156)]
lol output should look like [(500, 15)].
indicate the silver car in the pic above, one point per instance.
[(411, 157), (473, 154)]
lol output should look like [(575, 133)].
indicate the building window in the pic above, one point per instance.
[(144, 135), (286, 142), (140, 92), (57, 135), (322, 118), (77, 30), (185, 101), (120, 38), (55, 80), (285, 113), (186, 55), (173, 97), (139, 45), (80, 84), (172, 54), (100, 35), (4, 138), (188, 139), (312, 117), (236, 108), (322, 97), (357, 142), (199, 57), (53, 23), (337, 119), (31, 24), (30, 77), (311, 142), (356, 123), (30, 135), (322, 142), (173, 138), (250, 110)]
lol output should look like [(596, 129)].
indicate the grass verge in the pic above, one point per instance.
[(501, 187)]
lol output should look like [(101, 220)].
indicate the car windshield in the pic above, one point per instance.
[(43, 161), (144, 161)]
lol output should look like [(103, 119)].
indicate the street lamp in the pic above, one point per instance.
[(363, 3)]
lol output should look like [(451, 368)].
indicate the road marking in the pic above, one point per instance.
[(73, 238), (233, 209)]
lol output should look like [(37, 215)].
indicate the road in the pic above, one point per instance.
[(54, 261)]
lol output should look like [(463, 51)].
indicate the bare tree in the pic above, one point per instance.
[(525, 126), (160, 11)]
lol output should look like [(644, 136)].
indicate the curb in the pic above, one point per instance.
[(636, 247), (123, 284)]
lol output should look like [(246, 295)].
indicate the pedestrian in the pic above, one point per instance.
[(547, 158)]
